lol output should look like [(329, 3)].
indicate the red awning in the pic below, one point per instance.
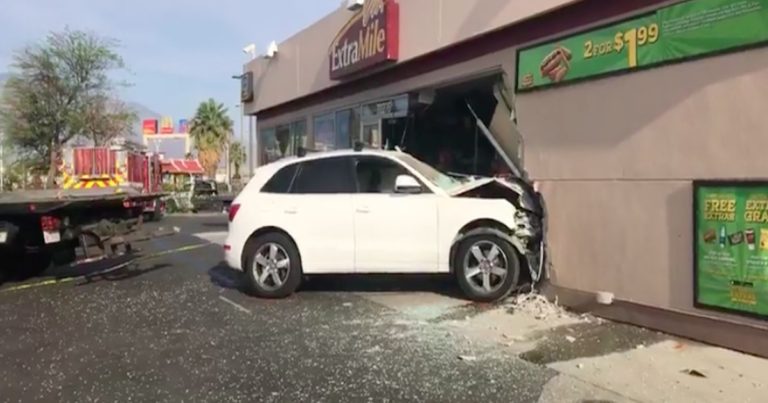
[(189, 167)]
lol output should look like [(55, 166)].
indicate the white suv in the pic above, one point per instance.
[(373, 211)]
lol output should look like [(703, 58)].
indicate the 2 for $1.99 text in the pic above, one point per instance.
[(630, 40)]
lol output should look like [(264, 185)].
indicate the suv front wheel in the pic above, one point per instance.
[(487, 267)]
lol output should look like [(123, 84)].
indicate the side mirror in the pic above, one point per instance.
[(407, 184)]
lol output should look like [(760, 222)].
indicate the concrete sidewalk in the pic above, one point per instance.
[(596, 359)]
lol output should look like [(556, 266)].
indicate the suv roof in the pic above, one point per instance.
[(327, 154)]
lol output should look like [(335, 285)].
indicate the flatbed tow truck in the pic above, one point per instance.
[(40, 228)]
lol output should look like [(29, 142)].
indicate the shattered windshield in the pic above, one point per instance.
[(440, 179)]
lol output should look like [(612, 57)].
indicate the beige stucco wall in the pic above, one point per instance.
[(615, 158), (301, 67)]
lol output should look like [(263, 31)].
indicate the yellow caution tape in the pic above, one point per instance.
[(105, 271)]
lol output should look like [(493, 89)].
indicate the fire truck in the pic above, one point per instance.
[(102, 198), (109, 167)]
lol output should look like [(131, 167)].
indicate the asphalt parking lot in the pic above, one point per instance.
[(176, 327)]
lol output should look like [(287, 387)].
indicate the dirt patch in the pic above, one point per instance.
[(584, 340)]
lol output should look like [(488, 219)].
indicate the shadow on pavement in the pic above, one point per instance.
[(444, 285), (223, 276), (125, 273), (91, 268)]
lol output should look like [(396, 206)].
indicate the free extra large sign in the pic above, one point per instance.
[(370, 38)]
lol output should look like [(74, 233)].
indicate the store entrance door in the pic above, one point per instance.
[(393, 132), (376, 118), (371, 134)]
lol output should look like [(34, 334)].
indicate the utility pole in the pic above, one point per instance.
[(229, 165), (2, 161)]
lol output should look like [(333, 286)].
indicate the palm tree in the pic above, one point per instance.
[(210, 130), (237, 157)]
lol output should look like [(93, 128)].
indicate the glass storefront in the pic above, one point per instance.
[(374, 113), (347, 127), (269, 151), (325, 132), (281, 141), (334, 130)]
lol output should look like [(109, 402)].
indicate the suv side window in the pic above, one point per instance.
[(281, 181), (325, 176), (378, 175)]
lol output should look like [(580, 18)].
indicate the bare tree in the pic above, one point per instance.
[(50, 88), (106, 119)]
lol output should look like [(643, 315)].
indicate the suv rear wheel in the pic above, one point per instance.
[(273, 266), (487, 267)]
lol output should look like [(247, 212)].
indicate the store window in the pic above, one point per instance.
[(283, 140), (393, 112), (268, 146), (325, 132), (347, 127), (299, 134)]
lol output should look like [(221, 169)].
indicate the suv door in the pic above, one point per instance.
[(394, 233), (319, 212)]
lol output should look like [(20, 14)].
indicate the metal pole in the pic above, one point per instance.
[(255, 141), (250, 147), (242, 123), (229, 166)]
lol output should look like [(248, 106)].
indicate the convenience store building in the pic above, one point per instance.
[(615, 109)]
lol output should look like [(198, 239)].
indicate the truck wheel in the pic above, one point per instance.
[(35, 264), (5, 270), (487, 268), (11, 267), (273, 266)]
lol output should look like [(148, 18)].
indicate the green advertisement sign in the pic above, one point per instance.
[(689, 29), (731, 246)]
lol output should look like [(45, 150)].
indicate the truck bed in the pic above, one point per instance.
[(53, 199)]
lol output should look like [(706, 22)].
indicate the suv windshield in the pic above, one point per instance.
[(440, 179)]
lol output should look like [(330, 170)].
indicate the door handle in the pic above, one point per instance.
[(290, 210), (363, 210)]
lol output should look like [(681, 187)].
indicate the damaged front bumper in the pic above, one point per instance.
[(529, 232)]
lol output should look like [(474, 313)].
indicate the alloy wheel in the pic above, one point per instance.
[(485, 267), (271, 266)]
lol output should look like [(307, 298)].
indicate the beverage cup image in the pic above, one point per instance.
[(749, 236), (736, 238), (722, 237)]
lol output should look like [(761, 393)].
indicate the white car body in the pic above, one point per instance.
[(369, 233)]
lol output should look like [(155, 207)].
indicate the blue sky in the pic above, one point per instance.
[(178, 52)]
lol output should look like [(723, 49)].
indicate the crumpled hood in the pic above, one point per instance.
[(525, 196), (473, 184)]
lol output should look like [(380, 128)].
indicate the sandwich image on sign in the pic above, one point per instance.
[(556, 64), (710, 235)]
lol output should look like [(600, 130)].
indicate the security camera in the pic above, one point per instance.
[(353, 5), (250, 49), (271, 50)]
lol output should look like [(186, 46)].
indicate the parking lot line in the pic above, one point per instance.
[(234, 304)]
